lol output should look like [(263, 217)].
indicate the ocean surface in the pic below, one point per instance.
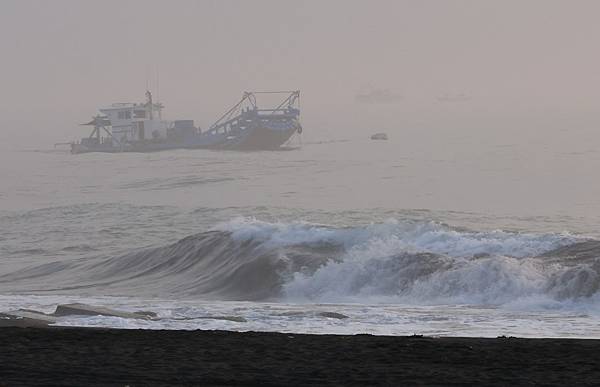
[(465, 236)]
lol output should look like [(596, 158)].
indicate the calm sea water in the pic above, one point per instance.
[(444, 235)]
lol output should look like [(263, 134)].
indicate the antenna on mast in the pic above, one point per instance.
[(147, 80), (158, 95)]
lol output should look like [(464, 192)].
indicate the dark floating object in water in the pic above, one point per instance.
[(379, 136)]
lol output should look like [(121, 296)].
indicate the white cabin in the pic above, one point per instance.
[(131, 122)]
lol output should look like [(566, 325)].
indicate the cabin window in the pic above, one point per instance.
[(139, 114), (125, 115)]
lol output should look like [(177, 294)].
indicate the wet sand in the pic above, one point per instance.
[(79, 356)]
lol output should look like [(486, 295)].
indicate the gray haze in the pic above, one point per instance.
[(486, 193), (487, 68), (491, 106)]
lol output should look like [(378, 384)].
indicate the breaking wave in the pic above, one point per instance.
[(394, 261)]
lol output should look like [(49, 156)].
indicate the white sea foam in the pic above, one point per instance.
[(396, 261), (380, 319), (395, 235), (425, 263)]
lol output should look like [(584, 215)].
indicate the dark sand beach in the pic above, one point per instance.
[(83, 357)]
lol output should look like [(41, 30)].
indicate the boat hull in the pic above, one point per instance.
[(250, 139)]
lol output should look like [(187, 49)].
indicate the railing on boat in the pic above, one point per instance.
[(246, 111)]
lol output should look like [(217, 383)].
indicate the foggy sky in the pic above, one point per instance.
[(454, 65)]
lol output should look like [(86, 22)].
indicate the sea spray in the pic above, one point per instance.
[(398, 261)]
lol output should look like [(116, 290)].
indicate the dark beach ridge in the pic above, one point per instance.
[(84, 356)]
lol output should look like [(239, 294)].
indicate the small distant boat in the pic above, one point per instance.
[(378, 96), (139, 127), (379, 136)]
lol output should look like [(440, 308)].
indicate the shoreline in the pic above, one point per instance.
[(99, 356)]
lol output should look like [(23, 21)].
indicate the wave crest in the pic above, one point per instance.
[(394, 261)]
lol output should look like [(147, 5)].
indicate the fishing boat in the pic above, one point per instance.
[(139, 127), (379, 136)]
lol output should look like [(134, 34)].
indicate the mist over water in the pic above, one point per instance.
[(505, 178), (319, 225), (479, 216)]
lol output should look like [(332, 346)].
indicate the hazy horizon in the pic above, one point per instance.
[(459, 66), (477, 215)]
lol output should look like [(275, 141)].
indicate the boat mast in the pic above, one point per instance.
[(158, 106), (149, 103)]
